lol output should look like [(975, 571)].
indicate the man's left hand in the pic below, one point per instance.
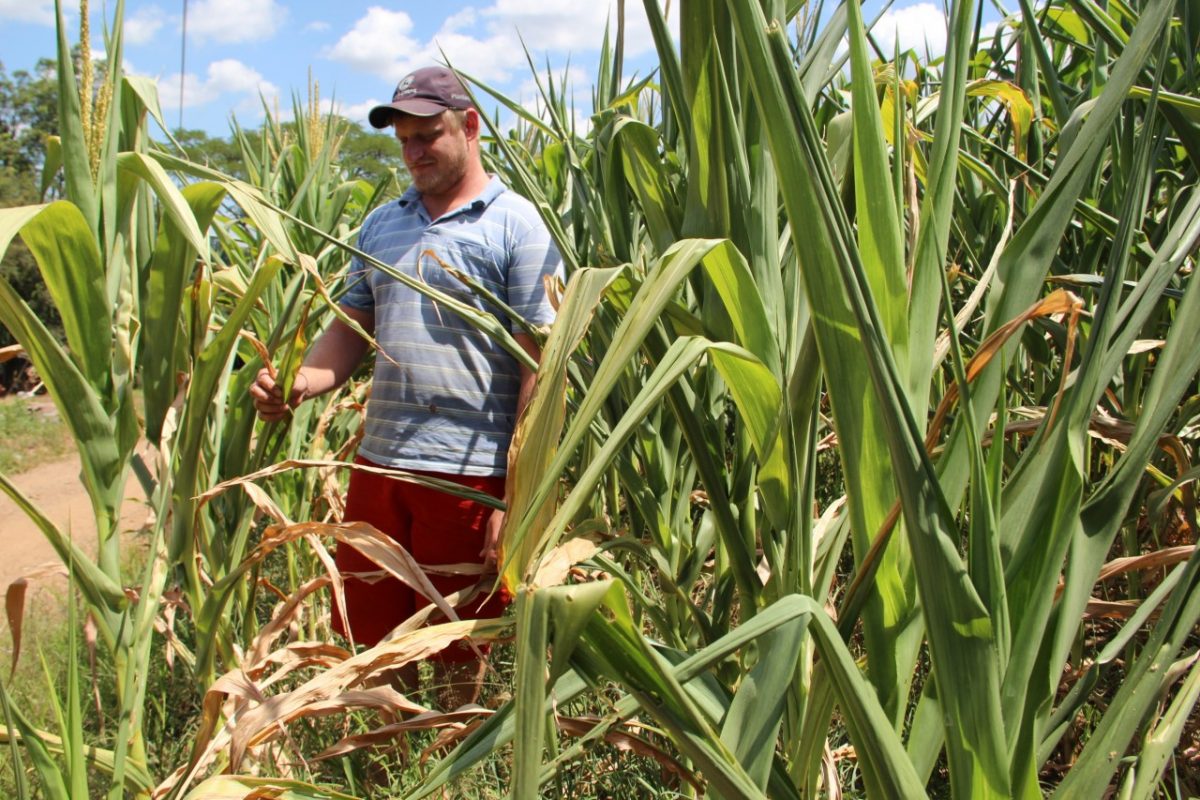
[(491, 541)]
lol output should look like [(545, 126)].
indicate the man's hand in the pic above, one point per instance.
[(268, 395), (491, 541)]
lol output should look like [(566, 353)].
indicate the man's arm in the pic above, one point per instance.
[(491, 545), (528, 376), (328, 364)]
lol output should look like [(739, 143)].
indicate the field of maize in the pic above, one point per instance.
[(861, 462)]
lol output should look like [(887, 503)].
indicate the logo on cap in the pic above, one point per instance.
[(404, 87)]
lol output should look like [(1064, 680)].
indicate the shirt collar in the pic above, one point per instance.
[(491, 191)]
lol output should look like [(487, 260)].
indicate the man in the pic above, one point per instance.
[(445, 397)]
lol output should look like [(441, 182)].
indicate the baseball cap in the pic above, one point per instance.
[(422, 93)]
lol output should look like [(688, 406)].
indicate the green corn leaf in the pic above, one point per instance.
[(75, 400), (1162, 742), (206, 375), (540, 428), (52, 164), (70, 264), (162, 307), (18, 764), (644, 169), (50, 776), (752, 723), (961, 638), (172, 201), (76, 163)]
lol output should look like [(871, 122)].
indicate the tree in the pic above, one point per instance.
[(28, 114), (370, 155)]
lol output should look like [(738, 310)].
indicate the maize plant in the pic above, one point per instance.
[(862, 452)]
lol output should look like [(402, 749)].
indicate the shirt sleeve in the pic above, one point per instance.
[(359, 294), (534, 256)]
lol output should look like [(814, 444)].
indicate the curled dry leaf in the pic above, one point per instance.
[(335, 579), (281, 618), (1060, 301), (627, 741), (558, 562), (14, 603), (297, 656), (90, 633), (246, 787), (1166, 557), (458, 722), (264, 503), (172, 601), (1110, 609), (448, 737), (1159, 558), (829, 774), (327, 692)]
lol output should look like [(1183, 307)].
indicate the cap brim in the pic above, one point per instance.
[(381, 116)]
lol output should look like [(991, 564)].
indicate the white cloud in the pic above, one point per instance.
[(225, 77), (357, 112), (317, 26), (570, 26), (142, 26), (487, 43), (232, 21), (920, 27), (376, 43), (40, 12)]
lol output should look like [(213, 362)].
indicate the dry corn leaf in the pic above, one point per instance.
[(557, 564), (326, 693), (297, 656), (387, 733), (335, 579), (14, 603), (264, 503), (1060, 301), (281, 618), (626, 741), (1110, 609), (1166, 557)]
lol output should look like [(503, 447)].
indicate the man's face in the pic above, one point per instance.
[(435, 151)]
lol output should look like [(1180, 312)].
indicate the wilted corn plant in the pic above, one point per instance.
[(163, 291), (682, 413)]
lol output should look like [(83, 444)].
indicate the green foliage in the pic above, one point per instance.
[(28, 114), (816, 371), (372, 156)]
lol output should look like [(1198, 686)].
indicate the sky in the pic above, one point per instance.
[(239, 50)]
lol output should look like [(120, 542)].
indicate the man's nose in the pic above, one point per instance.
[(413, 150)]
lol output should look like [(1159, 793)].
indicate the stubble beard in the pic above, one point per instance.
[(444, 178)]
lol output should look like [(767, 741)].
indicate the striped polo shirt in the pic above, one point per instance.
[(445, 395)]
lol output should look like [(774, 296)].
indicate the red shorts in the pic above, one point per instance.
[(436, 528)]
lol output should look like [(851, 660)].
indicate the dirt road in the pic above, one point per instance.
[(56, 489)]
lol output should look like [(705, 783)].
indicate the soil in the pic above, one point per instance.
[(55, 489)]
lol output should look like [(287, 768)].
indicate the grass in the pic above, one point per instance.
[(33, 434)]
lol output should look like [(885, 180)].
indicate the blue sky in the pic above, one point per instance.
[(239, 49)]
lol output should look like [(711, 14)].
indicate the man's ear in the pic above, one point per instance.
[(472, 123)]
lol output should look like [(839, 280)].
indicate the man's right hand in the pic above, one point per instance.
[(268, 395)]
